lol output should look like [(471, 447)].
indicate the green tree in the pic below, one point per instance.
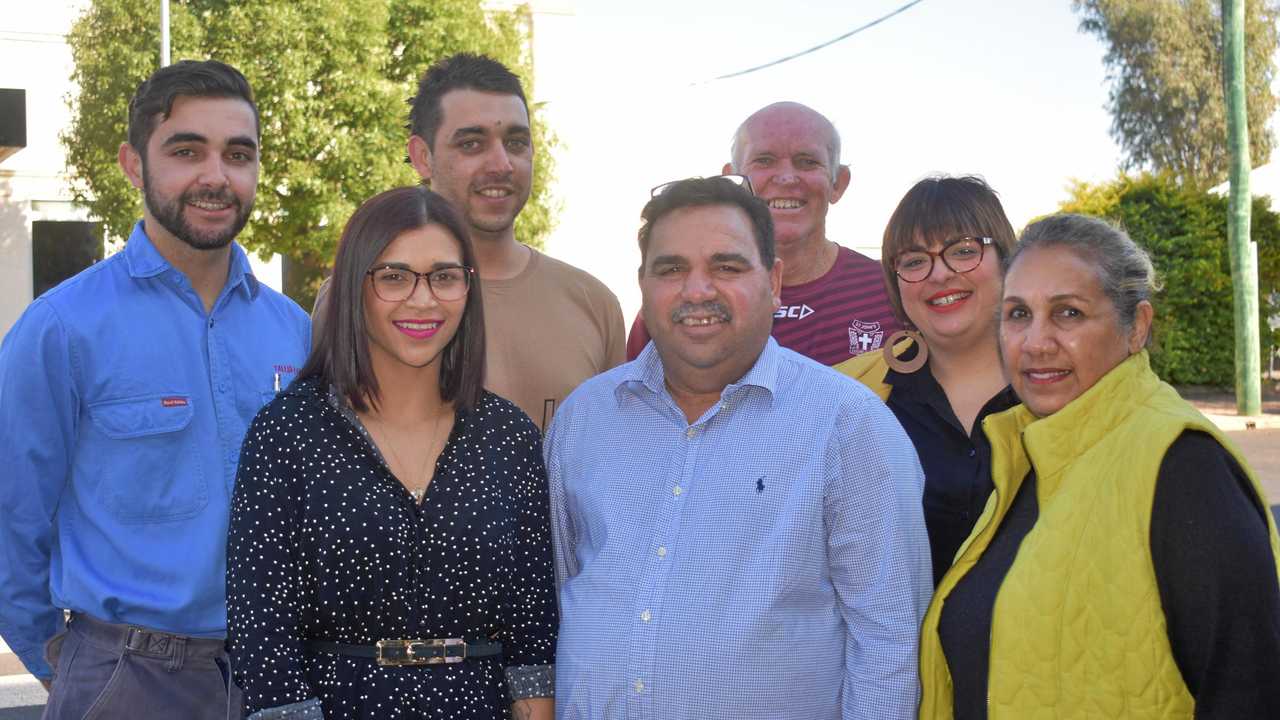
[(1164, 61), (331, 78), (1185, 231)]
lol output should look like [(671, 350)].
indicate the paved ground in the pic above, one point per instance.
[(1261, 443), (1262, 449), (21, 697)]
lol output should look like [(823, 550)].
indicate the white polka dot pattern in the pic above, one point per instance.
[(326, 544)]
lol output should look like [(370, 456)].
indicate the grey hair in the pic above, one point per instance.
[(1123, 268), (833, 143)]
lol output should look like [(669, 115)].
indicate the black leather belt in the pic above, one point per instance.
[(392, 653)]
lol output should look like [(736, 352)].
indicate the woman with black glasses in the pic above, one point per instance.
[(941, 257), (389, 550)]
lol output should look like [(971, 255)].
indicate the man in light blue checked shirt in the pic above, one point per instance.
[(738, 529)]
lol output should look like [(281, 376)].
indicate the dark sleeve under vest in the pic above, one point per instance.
[(1217, 581), (1214, 569)]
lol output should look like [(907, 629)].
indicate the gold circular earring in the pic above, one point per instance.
[(906, 366)]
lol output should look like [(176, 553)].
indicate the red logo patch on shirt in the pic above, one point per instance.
[(173, 402)]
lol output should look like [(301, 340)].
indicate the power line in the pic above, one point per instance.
[(815, 48)]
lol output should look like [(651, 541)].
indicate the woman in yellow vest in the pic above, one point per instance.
[(941, 257), (1125, 566)]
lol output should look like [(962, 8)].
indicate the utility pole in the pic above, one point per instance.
[(1244, 252), (164, 33)]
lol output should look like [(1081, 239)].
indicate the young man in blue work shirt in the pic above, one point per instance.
[(125, 393)]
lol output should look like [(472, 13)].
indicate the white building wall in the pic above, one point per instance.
[(33, 57)]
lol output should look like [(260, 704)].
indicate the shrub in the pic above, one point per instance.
[(1185, 231)]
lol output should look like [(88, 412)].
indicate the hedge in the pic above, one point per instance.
[(1185, 231)]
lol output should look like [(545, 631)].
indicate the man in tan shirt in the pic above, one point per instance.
[(548, 325)]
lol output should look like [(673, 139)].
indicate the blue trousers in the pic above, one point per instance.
[(103, 671)]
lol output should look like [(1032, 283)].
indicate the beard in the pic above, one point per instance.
[(171, 214)]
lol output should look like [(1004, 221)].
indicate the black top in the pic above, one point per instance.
[(1216, 575), (326, 544), (957, 465)]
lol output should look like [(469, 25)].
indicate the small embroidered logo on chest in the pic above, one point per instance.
[(760, 485), (173, 402)]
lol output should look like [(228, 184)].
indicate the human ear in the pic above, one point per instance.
[(1142, 317), (131, 163), (420, 157), (843, 177)]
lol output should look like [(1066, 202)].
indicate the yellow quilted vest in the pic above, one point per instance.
[(1078, 630)]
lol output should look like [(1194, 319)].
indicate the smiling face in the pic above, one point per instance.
[(200, 172), (415, 331), (1059, 333), (785, 150), (481, 159), (954, 310), (707, 301)]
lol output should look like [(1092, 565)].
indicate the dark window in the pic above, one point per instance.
[(62, 249), (13, 121)]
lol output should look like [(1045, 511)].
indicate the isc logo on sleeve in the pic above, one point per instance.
[(793, 312)]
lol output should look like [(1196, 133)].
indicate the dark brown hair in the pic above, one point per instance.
[(935, 210), (340, 355), (463, 71), (186, 78), (696, 192)]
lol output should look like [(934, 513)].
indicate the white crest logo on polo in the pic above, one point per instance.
[(864, 337)]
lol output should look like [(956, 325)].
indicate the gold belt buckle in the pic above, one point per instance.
[(435, 651)]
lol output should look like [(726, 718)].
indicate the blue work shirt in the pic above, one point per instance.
[(123, 405), (767, 561)]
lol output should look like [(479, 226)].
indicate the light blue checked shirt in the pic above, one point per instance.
[(768, 561)]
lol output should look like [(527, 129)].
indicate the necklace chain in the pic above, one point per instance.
[(422, 471)]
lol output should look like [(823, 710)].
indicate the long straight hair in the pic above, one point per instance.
[(340, 355)]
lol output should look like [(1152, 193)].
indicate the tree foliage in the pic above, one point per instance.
[(1185, 231), (1164, 61), (331, 78)]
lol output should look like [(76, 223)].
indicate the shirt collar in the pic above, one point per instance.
[(145, 261), (647, 371)]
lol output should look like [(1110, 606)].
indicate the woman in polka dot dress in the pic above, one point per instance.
[(389, 552)]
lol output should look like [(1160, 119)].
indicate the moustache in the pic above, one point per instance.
[(211, 196), (714, 309)]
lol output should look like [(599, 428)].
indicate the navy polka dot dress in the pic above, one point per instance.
[(326, 544)]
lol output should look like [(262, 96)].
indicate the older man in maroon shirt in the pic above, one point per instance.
[(834, 304)]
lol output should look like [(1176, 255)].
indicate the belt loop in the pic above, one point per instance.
[(132, 640), (177, 652)]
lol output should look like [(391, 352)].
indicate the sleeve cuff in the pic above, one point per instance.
[(306, 710), (531, 681)]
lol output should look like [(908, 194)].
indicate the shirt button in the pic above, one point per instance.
[(222, 387), (677, 490), (639, 686), (662, 551), (972, 452), (691, 432), (646, 616)]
